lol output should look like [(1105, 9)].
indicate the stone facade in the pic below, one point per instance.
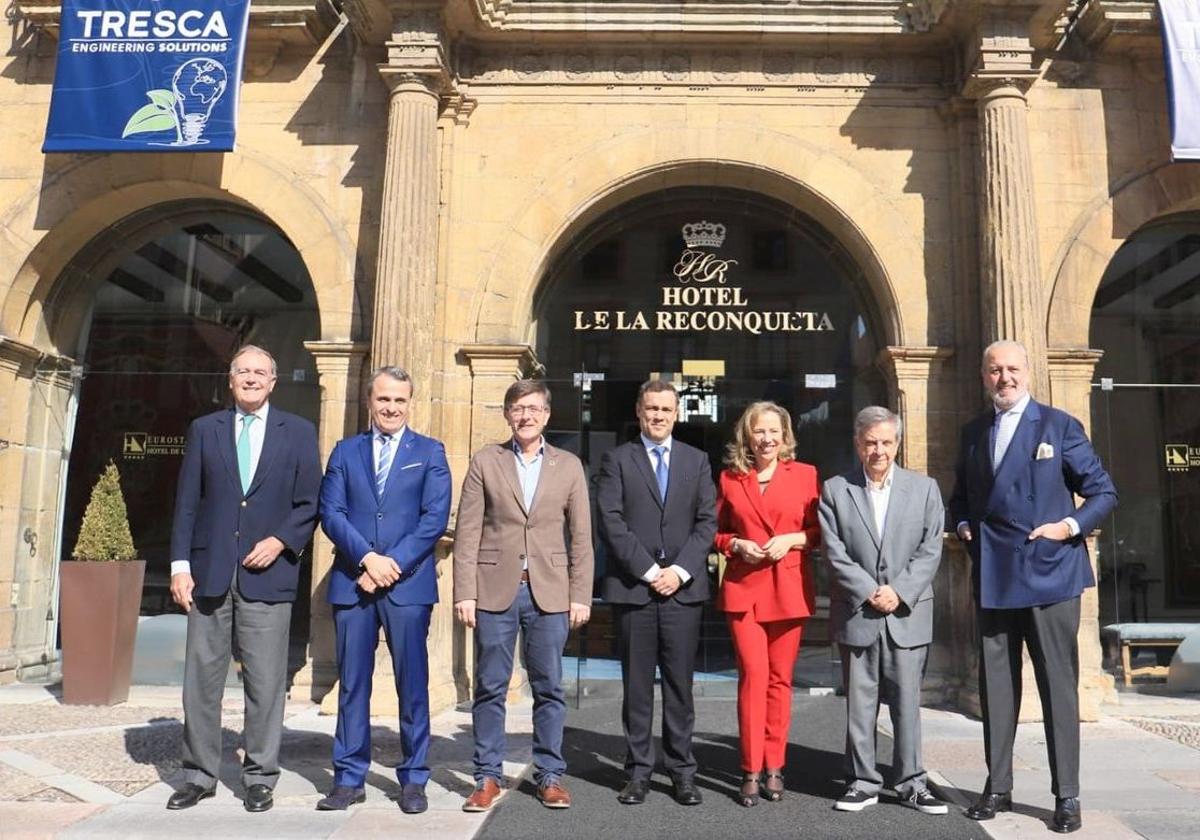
[(980, 161)]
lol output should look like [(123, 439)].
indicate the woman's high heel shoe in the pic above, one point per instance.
[(748, 795), (773, 788)]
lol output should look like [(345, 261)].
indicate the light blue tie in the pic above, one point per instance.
[(385, 463), (660, 471), (243, 450)]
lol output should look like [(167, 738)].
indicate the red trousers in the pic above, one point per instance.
[(766, 654)]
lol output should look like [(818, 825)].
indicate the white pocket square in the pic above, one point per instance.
[(1045, 451), (419, 463)]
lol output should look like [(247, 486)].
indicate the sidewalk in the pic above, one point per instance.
[(98, 772), (1139, 769), (95, 772)]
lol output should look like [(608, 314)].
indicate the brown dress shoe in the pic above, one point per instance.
[(484, 796), (554, 795)]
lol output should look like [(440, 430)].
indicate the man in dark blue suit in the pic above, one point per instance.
[(385, 502), (245, 509), (1020, 467)]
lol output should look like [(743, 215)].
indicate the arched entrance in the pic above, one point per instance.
[(1146, 417), (734, 295), (159, 302)]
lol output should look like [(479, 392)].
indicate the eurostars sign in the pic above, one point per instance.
[(147, 75)]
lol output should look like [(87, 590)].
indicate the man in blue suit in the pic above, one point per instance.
[(245, 509), (385, 502), (1020, 467)]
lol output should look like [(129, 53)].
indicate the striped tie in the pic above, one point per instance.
[(385, 463)]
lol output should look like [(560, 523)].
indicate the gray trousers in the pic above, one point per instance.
[(262, 636), (884, 672), (1052, 634)]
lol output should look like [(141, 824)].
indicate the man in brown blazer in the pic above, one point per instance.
[(522, 561)]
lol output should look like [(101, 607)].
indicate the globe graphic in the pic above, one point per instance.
[(197, 85)]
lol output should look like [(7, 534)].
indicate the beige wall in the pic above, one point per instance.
[(879, 150)]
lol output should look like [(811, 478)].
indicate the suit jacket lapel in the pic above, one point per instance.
[(227, 446), (857, 486), (508, 467), (642, 461), (366, 451), (403, 451), (549, 473), (898, 501), (1019, 452), (273, 444), (755, 498)]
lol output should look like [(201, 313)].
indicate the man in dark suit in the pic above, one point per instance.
[(881, 526), (522, 563), (385, 502), (245, 508), (657, 509), (1020, 467)]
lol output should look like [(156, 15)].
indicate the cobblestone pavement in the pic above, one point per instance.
[(1185, 730)]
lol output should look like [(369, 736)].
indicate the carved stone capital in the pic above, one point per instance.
[(912, 363), (337, 357), (983, 88), (1001, 53), (508, 360), (1067, 363), (19, 357)]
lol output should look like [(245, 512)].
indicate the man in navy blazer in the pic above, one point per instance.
[(245, 509), (385, 502), (1020, 467)]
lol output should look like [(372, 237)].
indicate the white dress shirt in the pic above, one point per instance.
[(880, 494), (258, 433), (654, 571)]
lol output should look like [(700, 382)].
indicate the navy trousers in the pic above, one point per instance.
[(406, 629)]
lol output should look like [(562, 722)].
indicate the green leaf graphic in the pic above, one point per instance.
[(149, 118), (164, 99)]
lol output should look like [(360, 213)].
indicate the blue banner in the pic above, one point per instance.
[(1181, 44), (147, 76)]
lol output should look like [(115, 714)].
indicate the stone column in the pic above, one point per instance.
[(406, 274), (1071, 373), (493, 368), (339, 377), (1012, 302)]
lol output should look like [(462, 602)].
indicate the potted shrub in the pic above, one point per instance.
[(101, 594)]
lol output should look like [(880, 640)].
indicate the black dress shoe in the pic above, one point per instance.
[(988, 805), (634, 792), (412, 799), (341, 798), (686, 792), (188, 795), (258, 798), (1068, 816)]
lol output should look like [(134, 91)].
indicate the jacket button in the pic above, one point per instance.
[(379, 516), (1029, 497), (237, 533), (372, 545), (522, 557), (243, 502)]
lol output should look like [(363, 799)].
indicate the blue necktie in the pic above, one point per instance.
[(385, 463), (243, 452), (660, 471)]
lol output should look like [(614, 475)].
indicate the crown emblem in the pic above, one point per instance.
[(703, 234)]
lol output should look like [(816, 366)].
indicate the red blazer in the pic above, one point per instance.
[(774, 591)]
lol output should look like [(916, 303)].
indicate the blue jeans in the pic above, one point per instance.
[(543, 636)]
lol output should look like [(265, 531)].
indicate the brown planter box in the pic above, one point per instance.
[(99, 613)]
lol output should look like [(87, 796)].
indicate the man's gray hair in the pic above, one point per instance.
[(873, 415), (394, 371), (1005, 343), (252, 348)]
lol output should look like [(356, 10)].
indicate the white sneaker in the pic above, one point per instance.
[(855, 800), (925, 802)]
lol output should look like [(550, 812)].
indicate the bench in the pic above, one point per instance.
[(1147, 634)]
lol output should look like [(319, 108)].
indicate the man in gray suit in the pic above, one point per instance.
[(882, 530)]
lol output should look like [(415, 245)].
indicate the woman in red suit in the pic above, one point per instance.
[(766, 523)]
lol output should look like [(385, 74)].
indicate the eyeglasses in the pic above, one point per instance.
[(530, 410)]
